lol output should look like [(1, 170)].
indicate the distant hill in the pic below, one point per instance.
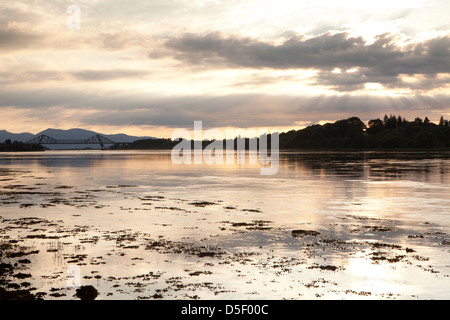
[(5, 135), (70, 134), (80, 134)]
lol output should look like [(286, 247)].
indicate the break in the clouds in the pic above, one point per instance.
[(157, 65)]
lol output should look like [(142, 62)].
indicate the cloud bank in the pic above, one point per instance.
[(346, 63)]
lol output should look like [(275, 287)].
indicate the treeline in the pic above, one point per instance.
[(8, 145), (146, 144), (161, 144), (390, 133)]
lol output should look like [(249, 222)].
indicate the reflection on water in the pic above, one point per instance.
[(328, 225), (348, 164)]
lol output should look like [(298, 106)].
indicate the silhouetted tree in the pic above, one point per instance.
[(391, 122), (443, 123), (375, 126)]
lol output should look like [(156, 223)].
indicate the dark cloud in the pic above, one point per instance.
[(20, 77), (382, 61), (12, 39), (41, 99), (14, 14), (121, 40), (106, 75)]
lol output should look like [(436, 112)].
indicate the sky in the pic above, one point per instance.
[(150, 67)]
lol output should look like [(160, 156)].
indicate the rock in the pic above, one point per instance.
[(22, 275), (16, 295), (302, 233), (87, 293), (327, 267), (13, 286), (25, 261), (5, 268), (202, 203)]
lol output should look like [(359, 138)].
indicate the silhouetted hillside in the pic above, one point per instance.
[(390, 133)]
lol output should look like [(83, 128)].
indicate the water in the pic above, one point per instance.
[(365, 225)]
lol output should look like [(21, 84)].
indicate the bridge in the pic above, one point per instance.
[(97, 139)]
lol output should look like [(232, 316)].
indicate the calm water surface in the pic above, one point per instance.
[(365, 225)]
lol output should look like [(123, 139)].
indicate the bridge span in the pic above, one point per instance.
[(97, 139)]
